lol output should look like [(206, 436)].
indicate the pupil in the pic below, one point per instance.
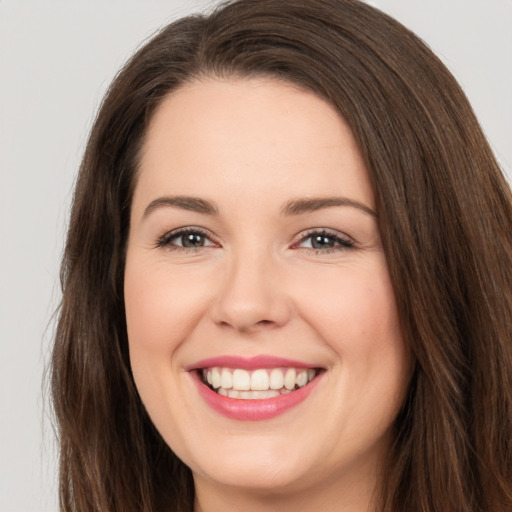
[(322, 241), (193, 240)]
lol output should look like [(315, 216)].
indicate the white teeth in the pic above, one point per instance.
[(226, 380), (215, 378), (259, 380), (257, 384), (241, 380), (289, 379), (302, 378), (276, 379)]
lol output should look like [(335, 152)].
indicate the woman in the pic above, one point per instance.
[(287, 281)]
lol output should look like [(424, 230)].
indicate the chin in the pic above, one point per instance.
[(259, 466), (265, 478)]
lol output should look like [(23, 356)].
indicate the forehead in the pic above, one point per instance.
[(251, 136)]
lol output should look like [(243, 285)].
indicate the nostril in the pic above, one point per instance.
[(249, 327)]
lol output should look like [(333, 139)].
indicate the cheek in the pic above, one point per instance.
[(351, 303), (161, 306), (354, 312)]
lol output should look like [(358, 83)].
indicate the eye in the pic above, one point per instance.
[(190, 238), (325, 241)]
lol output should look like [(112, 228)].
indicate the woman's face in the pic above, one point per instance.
[(254, 262)]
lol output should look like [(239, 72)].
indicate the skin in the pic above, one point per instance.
[(255, 285)]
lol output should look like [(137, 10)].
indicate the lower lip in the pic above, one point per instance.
[(253, 410)]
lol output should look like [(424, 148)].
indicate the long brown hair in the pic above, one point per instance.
[(445, 214)]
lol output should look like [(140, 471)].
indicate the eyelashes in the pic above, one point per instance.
[(324, 241), (186, 239), (193, 239)]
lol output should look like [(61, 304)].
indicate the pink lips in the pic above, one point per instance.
[(247, 363), (250, 410)]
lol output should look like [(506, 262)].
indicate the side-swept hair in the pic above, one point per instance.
[(445, 217)]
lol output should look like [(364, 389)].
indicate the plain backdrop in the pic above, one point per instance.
[(56, 60)]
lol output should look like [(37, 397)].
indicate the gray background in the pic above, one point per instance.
[(56, 60)]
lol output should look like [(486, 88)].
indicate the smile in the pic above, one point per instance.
[(256, 388), (257, 384)]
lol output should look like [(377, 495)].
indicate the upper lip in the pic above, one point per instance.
[(249, 363)]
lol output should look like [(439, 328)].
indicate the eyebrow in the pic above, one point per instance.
[(293, 207), (300, 206), (193, 204)]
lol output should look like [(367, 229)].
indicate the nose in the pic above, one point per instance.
[(252, 295)]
